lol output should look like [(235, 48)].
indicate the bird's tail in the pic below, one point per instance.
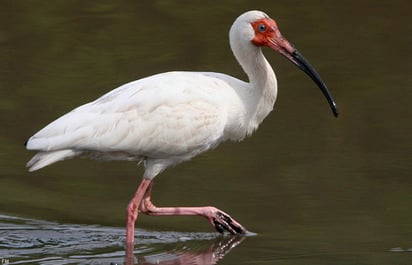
[(42, 159)]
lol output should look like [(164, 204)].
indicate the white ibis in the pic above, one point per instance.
[(169, 118)]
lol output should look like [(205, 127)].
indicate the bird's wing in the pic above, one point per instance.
[(168, 114)]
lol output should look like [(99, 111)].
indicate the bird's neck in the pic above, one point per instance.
[(261, 95), (261, 76)]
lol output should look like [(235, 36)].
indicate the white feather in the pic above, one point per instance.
[(167, 118), (42, 159)]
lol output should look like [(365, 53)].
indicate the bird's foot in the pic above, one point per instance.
[(221, 221)]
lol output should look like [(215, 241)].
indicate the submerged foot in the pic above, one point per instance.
[(221, 221)]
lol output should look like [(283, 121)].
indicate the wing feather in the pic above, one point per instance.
[(163, 115)]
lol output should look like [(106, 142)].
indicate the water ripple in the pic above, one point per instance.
[(27, 241)]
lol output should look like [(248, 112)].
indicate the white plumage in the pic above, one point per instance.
[(171, 117), (164, 119)]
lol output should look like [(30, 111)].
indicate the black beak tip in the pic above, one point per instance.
[(335, 110), (305, 66)]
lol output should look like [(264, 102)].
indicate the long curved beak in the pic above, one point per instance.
[(306, 67), (278, 43)]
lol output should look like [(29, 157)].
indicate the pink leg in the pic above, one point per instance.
[(218, 219), (132, 209)]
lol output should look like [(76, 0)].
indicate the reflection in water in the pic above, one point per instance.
[(27, 241), (217, 249)]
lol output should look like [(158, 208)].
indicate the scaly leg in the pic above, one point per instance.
[(220, 220), (132, 210)]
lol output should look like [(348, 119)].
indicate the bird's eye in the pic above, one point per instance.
[(262, 27)]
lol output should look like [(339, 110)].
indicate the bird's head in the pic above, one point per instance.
[(262, 31)]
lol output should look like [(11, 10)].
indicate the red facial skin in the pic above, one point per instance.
[(267, 34)]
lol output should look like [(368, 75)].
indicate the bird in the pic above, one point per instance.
[(168, 118)]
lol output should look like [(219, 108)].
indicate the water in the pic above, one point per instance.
[(315, 189), (28, 241)]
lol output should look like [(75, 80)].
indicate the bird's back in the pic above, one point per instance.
[(174, 116)]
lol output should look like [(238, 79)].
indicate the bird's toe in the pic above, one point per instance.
[(223, 222)]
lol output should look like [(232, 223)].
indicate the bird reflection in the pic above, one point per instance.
[(217, 249)]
